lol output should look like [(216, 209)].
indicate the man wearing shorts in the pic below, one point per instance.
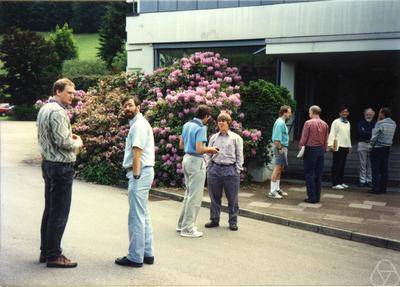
[(280, 138)]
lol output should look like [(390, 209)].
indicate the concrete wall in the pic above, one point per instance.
[(334, 17)]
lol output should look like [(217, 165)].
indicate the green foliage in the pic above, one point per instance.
[(101, 173), (64, 42), (261, 103), (120, 61), (83, 17), (25, 113), (86, 16), (31, 64), (84, 74), (112, 30)]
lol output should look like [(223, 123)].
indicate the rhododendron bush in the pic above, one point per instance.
[(169, 99)]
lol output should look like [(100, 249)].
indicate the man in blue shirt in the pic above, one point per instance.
[(280, 138), (138, 161), (194, 136)]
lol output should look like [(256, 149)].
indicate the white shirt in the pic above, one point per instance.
[(141, 136), (340, 132)]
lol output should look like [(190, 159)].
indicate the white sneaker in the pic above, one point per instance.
[(345, 185), (338, 186), (178, 229), (274, 195), (281, 192), (194, 233)]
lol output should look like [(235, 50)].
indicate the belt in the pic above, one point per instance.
[(128, 169), (219, 164), (194, 154)]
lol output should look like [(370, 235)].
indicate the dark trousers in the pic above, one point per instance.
[(380, 168), (338, 165), (223, 178), (313, 168), (58, 179)]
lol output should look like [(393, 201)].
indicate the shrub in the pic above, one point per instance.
[(25, 113), (85, 74), (31, 66), (261, 103), (170, 97), (64, 42)]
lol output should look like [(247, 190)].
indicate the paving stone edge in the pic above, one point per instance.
[(317, 228)]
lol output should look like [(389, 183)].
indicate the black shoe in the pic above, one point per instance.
[(148, 260), (124, 261), (61, 262), (42, 258), (373, 191), (233, 226), (362, 184), (309, 201), (211, 224)]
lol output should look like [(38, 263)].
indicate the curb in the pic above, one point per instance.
[(321, 229)]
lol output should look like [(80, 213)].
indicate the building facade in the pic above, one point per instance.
[(327, 52)]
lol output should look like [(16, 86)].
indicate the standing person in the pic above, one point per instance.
[(314, 139), (223, 171), (381, 141), (194, 135), (339, 142), (280, 138), (364, 129), (138, 161), (57, 146)]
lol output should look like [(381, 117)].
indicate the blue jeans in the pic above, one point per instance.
[(139, 223), (58, 179), (380, 168), (313, 168)]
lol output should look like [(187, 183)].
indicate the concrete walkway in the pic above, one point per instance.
[(353, 210)]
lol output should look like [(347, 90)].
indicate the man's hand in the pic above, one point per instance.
[(213, 150), (77, 139), (281, 151)]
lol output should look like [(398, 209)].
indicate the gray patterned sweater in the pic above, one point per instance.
[(54, 134)]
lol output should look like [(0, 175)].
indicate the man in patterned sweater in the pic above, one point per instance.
[(57, 146)]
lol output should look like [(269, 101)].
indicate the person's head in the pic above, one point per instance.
[(314, 112), (63, 91), (285, 112), (203, 113), (369, 114), (224, 122), (344, 112), (384, 113), (131, 106)]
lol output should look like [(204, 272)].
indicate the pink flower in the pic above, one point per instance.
[(169, 146), (162, 142), (172, 138), (253, 151), (246, 133)]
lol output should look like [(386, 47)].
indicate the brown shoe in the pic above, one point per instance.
[(61, 262)]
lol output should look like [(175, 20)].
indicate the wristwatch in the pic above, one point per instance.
[(136, 176)]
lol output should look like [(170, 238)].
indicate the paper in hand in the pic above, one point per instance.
[(301, 152)]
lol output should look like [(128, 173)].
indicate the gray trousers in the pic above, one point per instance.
[(194, 170), (365, 162), (223, 178)]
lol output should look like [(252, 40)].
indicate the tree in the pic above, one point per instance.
[(31, 64), (112, 32), (64, 42), (84, 21)]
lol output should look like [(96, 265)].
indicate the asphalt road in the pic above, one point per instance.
[(258, 254)]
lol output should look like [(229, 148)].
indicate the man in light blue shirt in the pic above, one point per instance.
[(194, 136), (280, 139), (139, 163)]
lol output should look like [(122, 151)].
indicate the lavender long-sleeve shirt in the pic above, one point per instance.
[(230, 149)]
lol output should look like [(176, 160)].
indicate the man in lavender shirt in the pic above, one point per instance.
[(223, 171), (314, 138)]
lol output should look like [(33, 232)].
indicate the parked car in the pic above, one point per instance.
[(5, 109)]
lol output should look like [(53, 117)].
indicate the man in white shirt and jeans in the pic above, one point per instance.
[(339, 142)]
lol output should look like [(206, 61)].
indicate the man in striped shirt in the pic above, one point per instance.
[(57, 146)]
